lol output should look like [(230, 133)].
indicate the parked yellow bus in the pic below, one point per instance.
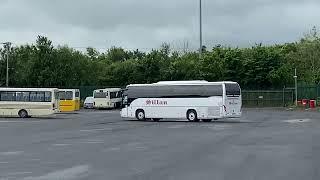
[(69, 100)]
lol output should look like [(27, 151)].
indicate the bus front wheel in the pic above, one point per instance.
[(140, 115), (23, 113), (192, 116)]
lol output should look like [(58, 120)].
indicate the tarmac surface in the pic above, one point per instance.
[(264, 144)]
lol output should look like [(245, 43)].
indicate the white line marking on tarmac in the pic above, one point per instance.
[(141, 148), (61, 144), (93, 130), (4, 162), (18, 173), (101, 112), (216, 126), (76, 172), (177, 126), (92, 142), (297, 120), (34, 159), (11, 153), (112, 149), (20, 121)]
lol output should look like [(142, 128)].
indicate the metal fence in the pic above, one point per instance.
[(308, 91), (277, 98), (263, 98)]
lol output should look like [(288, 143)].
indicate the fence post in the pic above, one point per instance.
[(292, 98), (283, 100), (296, 85), (317, 92)]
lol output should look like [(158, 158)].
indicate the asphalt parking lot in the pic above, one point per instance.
[(264, 144)]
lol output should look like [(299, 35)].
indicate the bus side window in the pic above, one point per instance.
[(22, 96), (77, 94), (33, 96), (47, 96), (11, 96), (4, 96), (40, 97), (62, 95), (69, 95), (114, 95), (119, 94)]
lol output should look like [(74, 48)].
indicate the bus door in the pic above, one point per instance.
[(77, 99), (233, 99), (124, 105), (66, 101)]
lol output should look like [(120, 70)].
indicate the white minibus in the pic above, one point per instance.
[(27, 102), (193, 100), (107, 98)]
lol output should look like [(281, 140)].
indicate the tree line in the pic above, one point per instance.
[(259, 67)]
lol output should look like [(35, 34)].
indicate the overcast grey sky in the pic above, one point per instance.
[(145, 24)]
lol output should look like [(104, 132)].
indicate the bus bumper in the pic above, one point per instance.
[(235, 115), (124, 112)]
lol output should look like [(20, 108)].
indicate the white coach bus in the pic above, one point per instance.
[(193, 100), (28, 102), (107, 98)]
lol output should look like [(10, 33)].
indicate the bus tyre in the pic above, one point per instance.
[(23, 113), (140, 115), (206, 120), (192, 116)]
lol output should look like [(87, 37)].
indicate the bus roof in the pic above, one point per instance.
[(174, 90), (108, 89), (181, 82), (28, 89), (76, 90), (200, 82)]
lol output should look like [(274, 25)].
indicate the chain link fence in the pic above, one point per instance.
[(268, 98)]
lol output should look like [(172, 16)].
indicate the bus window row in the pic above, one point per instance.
[(114, 95), (65, 95), (40, 96)]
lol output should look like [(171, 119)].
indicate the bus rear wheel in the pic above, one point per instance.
[(23, 113), (140, 115), (192, 116)]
